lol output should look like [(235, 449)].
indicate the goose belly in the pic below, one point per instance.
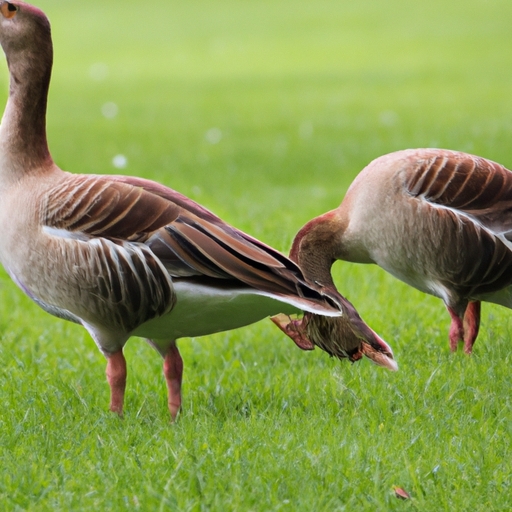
[(202, 309), (424, 282)]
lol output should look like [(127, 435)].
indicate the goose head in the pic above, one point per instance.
[(25, 37), (315, 248)]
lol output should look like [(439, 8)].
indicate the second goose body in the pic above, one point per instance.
[(439, 220)]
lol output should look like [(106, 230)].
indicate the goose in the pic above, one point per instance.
[(438, 220), (334, 335), (124, 256)]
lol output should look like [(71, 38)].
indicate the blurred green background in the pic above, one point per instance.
[(268, 109)]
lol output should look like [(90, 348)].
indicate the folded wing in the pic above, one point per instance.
[(151, 234), (472, 197)]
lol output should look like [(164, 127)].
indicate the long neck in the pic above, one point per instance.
[(315, 247), (23, 142)]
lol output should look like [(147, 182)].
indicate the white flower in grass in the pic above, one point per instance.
[(119, 161), (213, 135), (98, 71), (109, 110)]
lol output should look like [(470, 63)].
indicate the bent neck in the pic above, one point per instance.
[(315, 248), (23, 142)]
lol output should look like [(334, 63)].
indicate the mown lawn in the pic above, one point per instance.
[(264, 112)]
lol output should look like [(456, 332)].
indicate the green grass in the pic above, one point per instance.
[(304, 95)]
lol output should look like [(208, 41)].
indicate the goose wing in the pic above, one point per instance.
[(184, 238), (198, 243), (467, 184), (472, 197), (101, 273)]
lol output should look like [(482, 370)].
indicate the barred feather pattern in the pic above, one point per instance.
[(470, 208), (99, 206), (104, 282), (125, 239)]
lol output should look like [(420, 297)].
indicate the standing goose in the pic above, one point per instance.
[(124, 256), (439, 220)]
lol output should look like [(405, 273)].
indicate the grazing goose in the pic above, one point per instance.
[(124, 256), (336, 336), (439, 220)]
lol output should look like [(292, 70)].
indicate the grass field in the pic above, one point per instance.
[(264, 112)]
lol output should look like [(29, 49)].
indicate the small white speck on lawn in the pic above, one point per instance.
[(98, 71), (318, 192), (388, 118), (109, 110), (120, 161), (213, 135), (306, 130)]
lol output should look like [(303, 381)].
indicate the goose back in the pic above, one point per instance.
[(436, 219)]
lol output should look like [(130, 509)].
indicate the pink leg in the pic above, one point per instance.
[(173, 372), (294, 329), (116, 377), (456, 329), (471, 325)]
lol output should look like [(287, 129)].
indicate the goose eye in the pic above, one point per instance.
[(8, 10)]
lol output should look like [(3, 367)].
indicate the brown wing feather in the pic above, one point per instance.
[(475, 261), (462, 182), (106, 283), (216, 225), (179, 200), (99, 206), (242, 265), (476, 196), (217, 249), (186, 238)]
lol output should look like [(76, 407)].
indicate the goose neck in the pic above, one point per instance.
[(23, 139), (315, 248)]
